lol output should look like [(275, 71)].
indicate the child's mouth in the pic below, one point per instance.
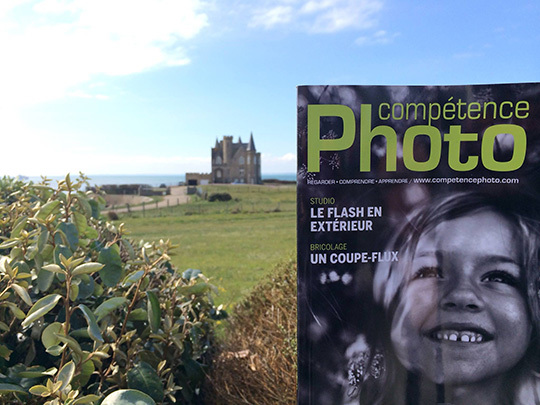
[(463, 335)]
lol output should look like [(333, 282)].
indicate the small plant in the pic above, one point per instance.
[(219, 197), (113, 216), (86, 313)]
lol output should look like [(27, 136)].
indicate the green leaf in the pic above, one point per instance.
[(196, 289), (56, 350), (4, 326), (12, 388), (72, 343), (33, 372), (39, 390), (21, 292), (87, 268), (74, 292), (91, 233), (66, 374), (132, 278), (19, 226), (85, 206), (40, 308), (48, 337), (61, 250), (22, 266), (16, 253), (17, 312), (9, 244), (138, 314), (145, 256), (128, 397), (95, 208), (112, 273), (54, 268), (93, 328), (5, 353), (71, 233), (80, 222), (154, 311), (129, 248), (86, 287), (194, 370), (108, 306), (191, 274), (47, 209), (143, 377), (87, 399), (45, 279), (31, 252), (43, 238), (87, 368), (48, 252)]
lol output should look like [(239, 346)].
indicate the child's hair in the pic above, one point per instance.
[(521, 211)]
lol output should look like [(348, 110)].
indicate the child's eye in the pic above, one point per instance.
[(500, 276), (427, 272)]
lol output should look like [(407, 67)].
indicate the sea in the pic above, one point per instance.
[(154, 180)]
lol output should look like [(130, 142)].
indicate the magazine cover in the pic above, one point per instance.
[(418, 244)]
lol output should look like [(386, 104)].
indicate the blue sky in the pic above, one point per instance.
[(146, 86)]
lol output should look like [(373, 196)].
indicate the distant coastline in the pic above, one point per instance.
[(150, 179)]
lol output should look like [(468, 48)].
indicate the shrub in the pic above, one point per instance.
[(219, 197), (113, 216), (86, 312), (255, 363)]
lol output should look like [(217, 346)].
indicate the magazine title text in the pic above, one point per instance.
[(450, 111)]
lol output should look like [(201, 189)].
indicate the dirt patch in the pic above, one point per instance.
[(120, 199)]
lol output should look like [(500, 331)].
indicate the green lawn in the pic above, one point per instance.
[(234, 249)]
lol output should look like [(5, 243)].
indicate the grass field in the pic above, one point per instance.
[(234, 243)]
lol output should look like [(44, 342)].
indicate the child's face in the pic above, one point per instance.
[(462, 317)]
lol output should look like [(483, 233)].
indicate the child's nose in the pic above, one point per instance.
[(461, 296)]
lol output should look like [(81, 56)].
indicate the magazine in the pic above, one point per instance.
[(418, 244)]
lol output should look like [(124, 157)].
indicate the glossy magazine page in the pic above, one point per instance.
[(418, 237)]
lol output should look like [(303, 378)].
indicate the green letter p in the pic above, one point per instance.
[(315, 143)]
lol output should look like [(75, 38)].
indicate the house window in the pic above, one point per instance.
[(218, 160), (241, 160)]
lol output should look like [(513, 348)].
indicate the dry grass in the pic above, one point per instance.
[(255, 363)]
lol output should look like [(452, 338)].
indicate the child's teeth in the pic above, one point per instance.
[(455, 336)]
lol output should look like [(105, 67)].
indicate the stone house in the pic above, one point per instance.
[(236, 162)]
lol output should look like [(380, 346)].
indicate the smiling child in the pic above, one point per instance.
[(461, 305)]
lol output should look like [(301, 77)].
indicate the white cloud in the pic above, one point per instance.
[(278, 164), (468, 55), (380, 37), (288, 157), (319, 16), (49, 47), (83, 94), (271, 17), (46, 152)]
